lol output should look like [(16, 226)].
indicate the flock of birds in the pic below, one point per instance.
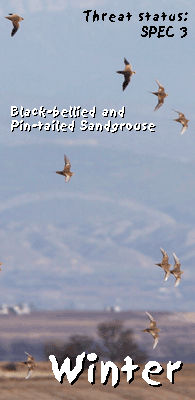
[(127, 72), (177, 274), (175, 271), (30, 360)]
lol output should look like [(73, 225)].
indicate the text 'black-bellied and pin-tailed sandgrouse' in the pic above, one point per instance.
[(127, 73), (15, 19), (176, 270), (161, 95), (66, 171), (182, 120), (30, 364), (152, 329), (164, 264)]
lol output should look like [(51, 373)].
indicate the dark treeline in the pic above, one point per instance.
[(114, 344)]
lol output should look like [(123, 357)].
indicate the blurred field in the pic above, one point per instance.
[(43, 385), (19, 333)]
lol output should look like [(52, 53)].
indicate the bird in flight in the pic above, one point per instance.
[(66, 171), (30, 364), (161, 95), (182, 120), (165, 264), (176, 270), (152, 329), (127, 73), (15, 21)]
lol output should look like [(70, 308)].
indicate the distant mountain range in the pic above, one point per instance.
[(94, 241)]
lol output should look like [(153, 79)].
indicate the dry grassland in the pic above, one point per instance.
[(43, 385)]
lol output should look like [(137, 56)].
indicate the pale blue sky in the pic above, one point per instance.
[(139, 185)]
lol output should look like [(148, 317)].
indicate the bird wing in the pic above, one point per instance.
[(152, 320), (126, 62), (167, 274), (177, 281), (66, 160), (28, 354), (161, 88), (29, 374), (15, 27), (165, 258), (183, 129), (176, 258), (177, 263), (126, 81), (67, 178), (156, 339), (163, 252), (149, 316), (179, 112), (160, 103), (67, 165), (30, 358), (159, 84)]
